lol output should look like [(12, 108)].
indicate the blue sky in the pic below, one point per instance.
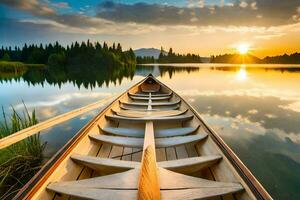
[(198, 26)]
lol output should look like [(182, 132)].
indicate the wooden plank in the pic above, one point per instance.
[(27, 132), (137, 156), (119, 141), (98, 194), (139, 108), (189, 165), (105, 150), (104, 165), (178, 118), (181, 152), (171, 132), (136, 132), (138, 142), (116, 152), (180, 140), (190, 194), (152, 98), (161, 154), (124, 180), (171, 103), (171, 154), (137, 114), (185, 166), (149, 186), (168, 181), (154, 95), (127, 132), (191, 150), (127, 154)]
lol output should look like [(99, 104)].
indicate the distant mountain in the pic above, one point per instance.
[(147, 52), (155, 53)]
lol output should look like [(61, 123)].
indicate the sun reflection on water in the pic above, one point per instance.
[(241, 75)]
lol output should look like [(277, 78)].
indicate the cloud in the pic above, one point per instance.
[(61, 5), (275, 12), (73, 23), (253, 5), (33, 6), (243, 4), (193, 19)]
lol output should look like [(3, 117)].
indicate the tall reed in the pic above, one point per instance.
[(19, 162)]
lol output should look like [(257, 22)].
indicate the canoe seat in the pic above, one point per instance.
[(168, 103), (140, 108), (109, 166), (152, 95), (124, 185), (131, 132), (138, 142), (152, 98), (179, 118), (136, 114)]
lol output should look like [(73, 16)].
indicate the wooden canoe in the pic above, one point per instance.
[(147, 144)]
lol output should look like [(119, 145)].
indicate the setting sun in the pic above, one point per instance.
[(243, 48)]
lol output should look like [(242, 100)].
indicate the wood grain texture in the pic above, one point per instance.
[(148, 187)]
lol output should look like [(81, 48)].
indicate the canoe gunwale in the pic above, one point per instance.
[(253, 184)]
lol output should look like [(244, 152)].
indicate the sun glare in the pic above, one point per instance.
[(241, 75), (243, 48)]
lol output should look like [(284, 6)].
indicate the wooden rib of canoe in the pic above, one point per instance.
[(147, 144)]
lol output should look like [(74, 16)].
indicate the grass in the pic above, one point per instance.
[(19, 162), (17, 67)]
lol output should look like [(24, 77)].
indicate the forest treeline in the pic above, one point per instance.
[(236, 58), (76, 54), (169, 57)]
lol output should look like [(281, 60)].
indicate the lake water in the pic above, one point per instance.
[(256, 110)]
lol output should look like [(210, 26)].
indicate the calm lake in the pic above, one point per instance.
[(255, 109)]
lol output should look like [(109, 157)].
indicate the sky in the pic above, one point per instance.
[(205, 27)]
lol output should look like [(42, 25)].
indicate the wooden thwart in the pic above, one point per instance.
[(138, 142), (184, 117), (140, 108), (184, 186), (159, 133), (139, 114), (171, 103), (152, 98), (107, 166), (153, 95)]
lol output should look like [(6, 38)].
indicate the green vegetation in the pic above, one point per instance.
[(10, 69), (84, 63), (85, 54), (170, 57), (15, 67), (283, 59), (250, 59), (19, 162)]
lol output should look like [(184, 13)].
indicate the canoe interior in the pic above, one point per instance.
[(116, 133)]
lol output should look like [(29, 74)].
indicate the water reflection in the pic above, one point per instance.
[(241, 75), (259, 119), (85, 77), (256, 110)]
